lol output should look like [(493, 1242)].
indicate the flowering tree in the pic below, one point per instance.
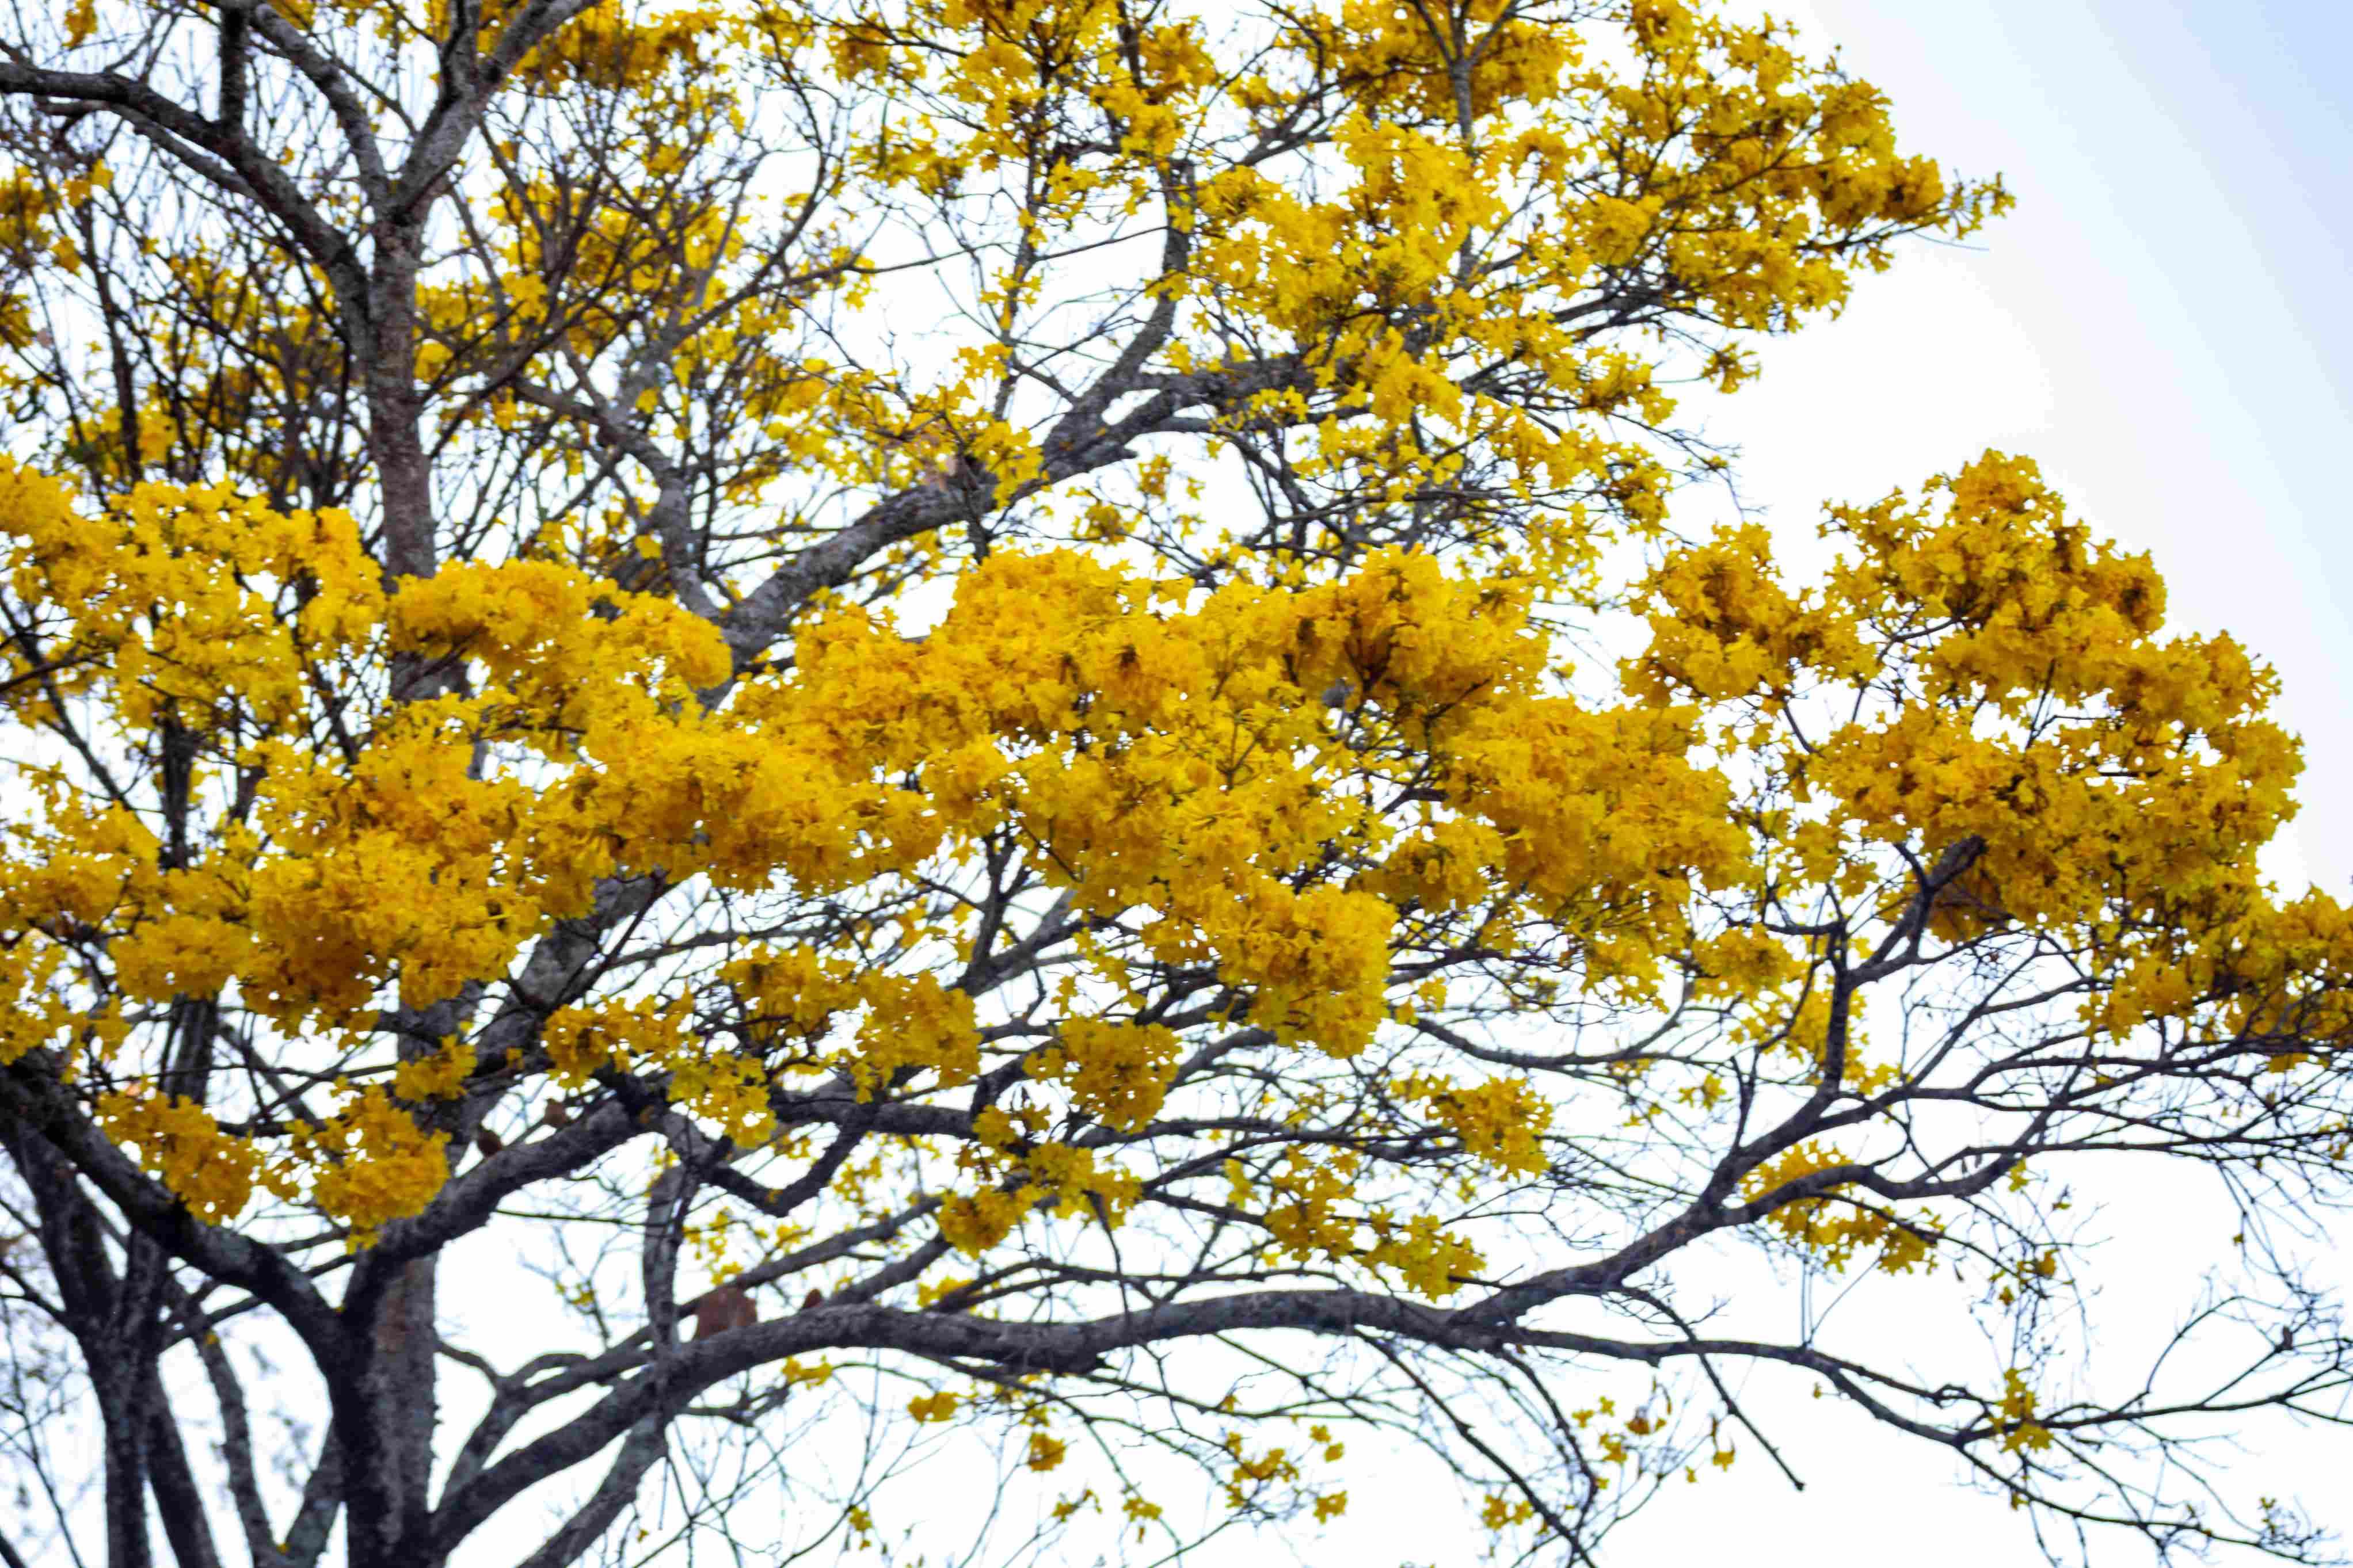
[(980, 720)]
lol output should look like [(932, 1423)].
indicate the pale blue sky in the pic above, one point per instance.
[(2263, 94)]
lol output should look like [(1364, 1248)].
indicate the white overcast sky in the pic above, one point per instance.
[(2165, 323)]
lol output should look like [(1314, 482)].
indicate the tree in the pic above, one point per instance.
[(1000, 697)]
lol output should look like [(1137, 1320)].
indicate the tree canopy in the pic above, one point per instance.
[(985, 722)]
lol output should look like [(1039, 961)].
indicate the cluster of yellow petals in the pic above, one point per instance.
[(366, 1165), (1501, 1121), (1196, 755), (1195, 759), (181, 1142), (1278, 774), (1281, 782), (2020, 694), (1838, 1224)]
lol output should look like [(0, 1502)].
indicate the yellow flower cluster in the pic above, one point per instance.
[(180, 1141), (1833, 1227), (2018, 694), (2020, 1432), (1117, 1073), (1270, 780), (198, 606), (1500, 1122), (370, 1163)]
